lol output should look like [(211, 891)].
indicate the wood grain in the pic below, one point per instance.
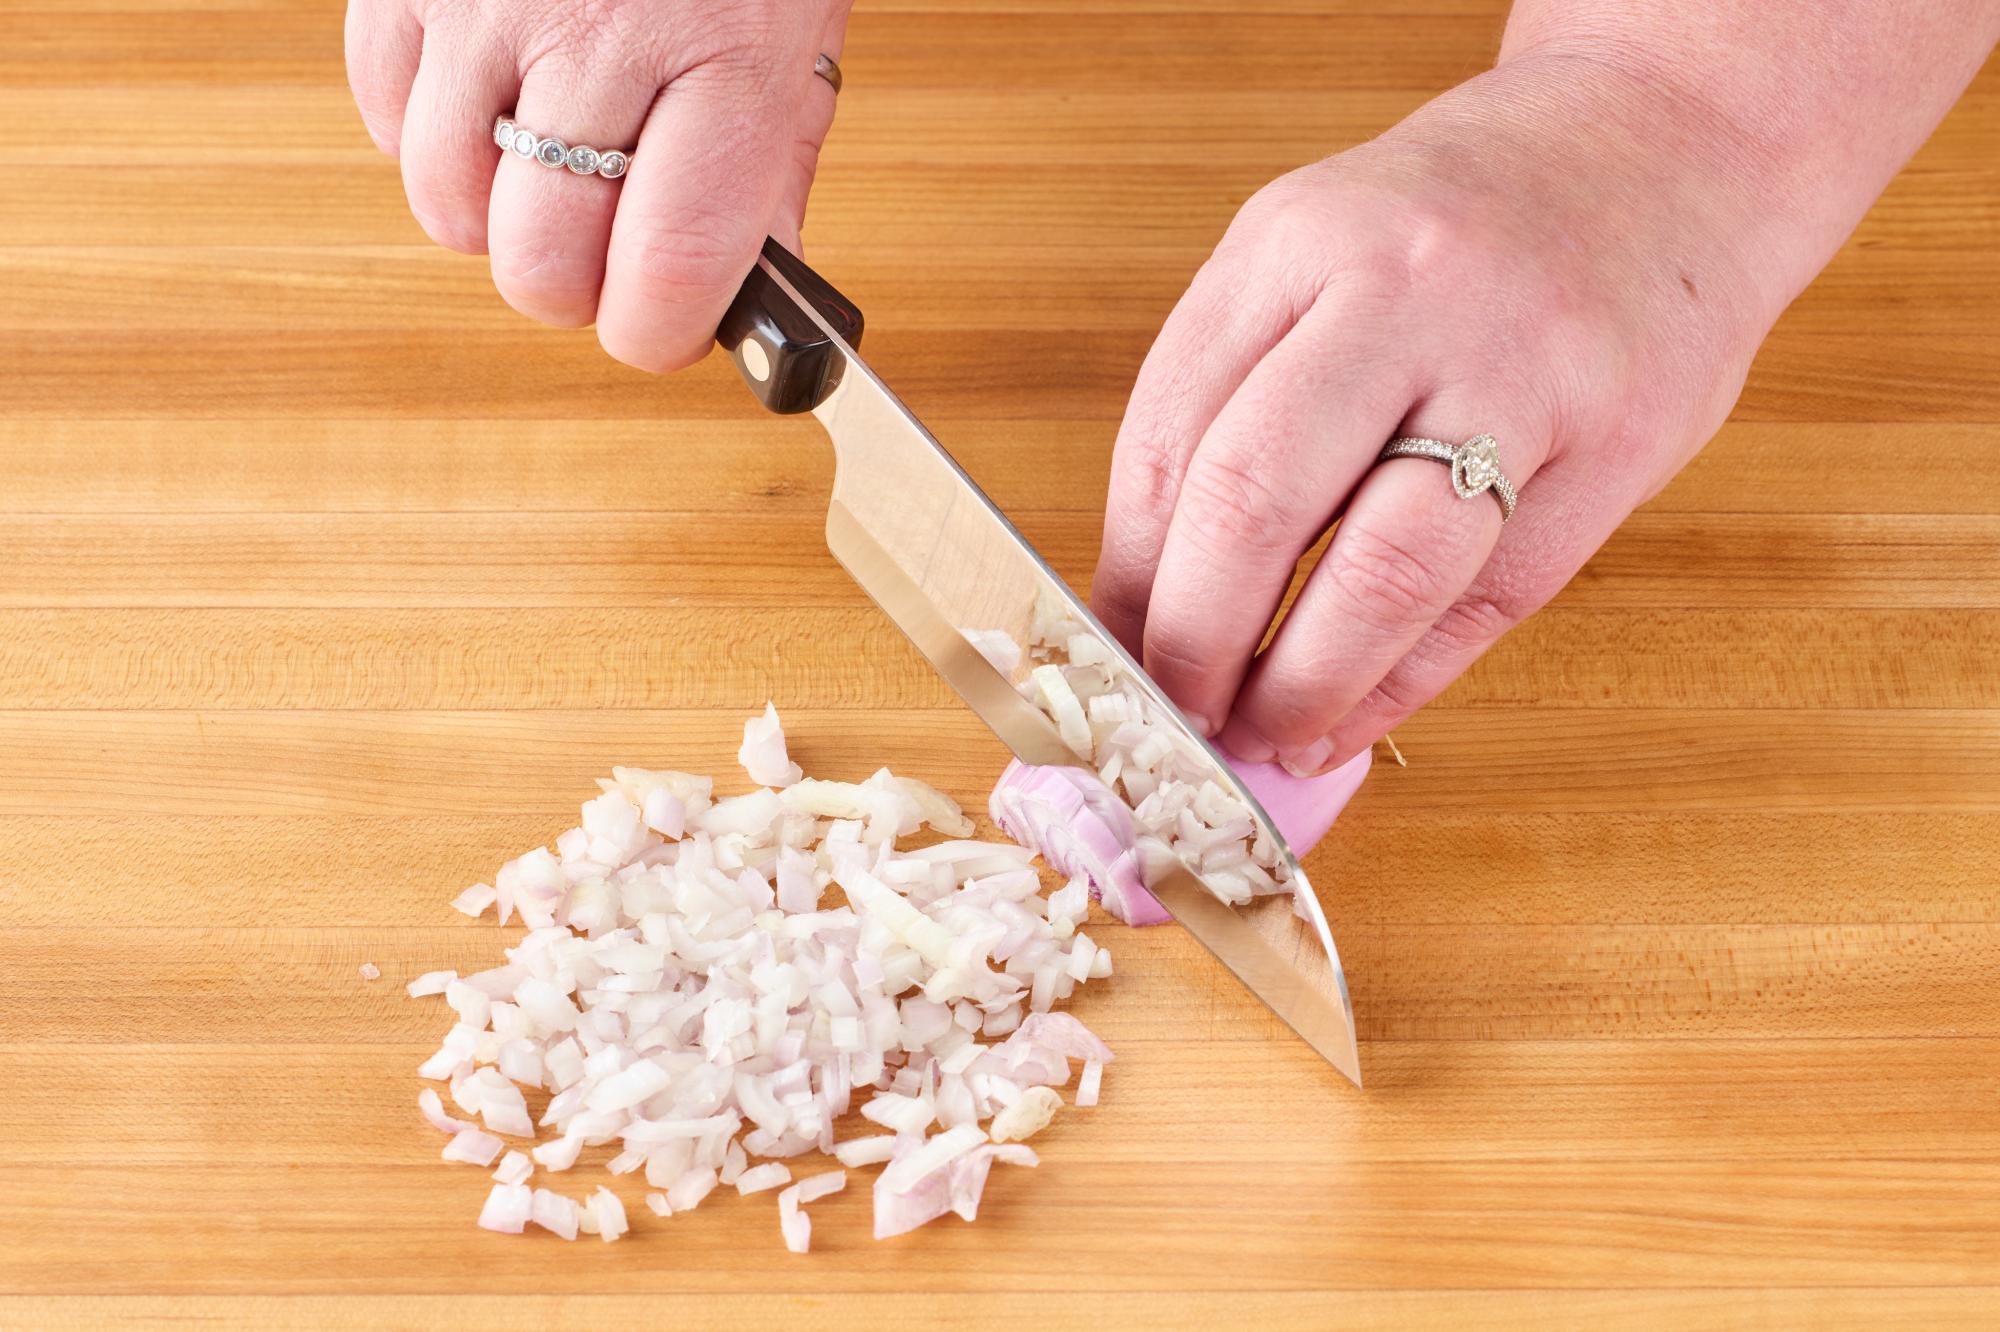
[(1673, 949), (149, 465)]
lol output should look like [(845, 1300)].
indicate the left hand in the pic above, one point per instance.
[(1526, 257)]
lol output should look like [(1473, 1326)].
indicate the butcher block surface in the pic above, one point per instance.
[(327, 583)]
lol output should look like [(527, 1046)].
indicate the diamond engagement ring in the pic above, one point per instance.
[(609, 163), (1475, 466)]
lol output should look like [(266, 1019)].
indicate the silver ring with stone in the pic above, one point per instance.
[(553, 153), (1475, 466)]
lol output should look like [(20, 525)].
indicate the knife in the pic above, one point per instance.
[(939, 558)]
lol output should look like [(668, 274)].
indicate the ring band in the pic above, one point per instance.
[(610, 163), (1475, 466), (828, 68)]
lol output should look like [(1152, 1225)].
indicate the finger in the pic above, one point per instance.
[(384, 44), (816, 110), (549, 226), (1406, 549), (705, 190), (1224, 324), (1540, 550), (1271, 471), (463, 82)]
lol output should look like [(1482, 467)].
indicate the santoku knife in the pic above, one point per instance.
[(937, 556)]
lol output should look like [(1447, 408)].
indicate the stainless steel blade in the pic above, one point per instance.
[(940, 559)]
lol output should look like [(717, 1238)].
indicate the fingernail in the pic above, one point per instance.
[(1202, 725), (1242, 741), (1310, 761)]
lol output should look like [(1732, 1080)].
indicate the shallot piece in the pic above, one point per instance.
[(903, 1204), (608, 1214), (474, 1146), (758, 1178), (1060, 1034), (1082, 829), (1086, 1085), (705, 986), (1027, 1116), (507, 1209), (793, 1223), (763, 751), (514, 1168), (433, 1108), (688, 1191), (868, 1151), (474, 900), (369, 971), (555, 1213), (997, 646)]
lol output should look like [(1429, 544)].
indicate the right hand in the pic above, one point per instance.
[(716, 99)]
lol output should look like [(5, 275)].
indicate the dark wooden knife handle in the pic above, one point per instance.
[(785, 358)]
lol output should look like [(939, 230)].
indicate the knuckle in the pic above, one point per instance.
[(754, 47), (1287, 708), (692, 257), (648, 351), (1312, 235), (605, 34), (1287, 207), (1149, 472), (1475, 620), (1376, 275), (1388, 582), (1394, 697), (449, 204), (1174, 655), (1233, 508), (1439, 239), (545, 281), (385, 128), (1285, 240), (378, 94), (448, 222)]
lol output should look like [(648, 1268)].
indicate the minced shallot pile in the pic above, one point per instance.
[(692, 990)]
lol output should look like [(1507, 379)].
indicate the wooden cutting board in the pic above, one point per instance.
[(326, 583)]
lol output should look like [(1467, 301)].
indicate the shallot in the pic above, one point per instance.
[(507, 1208), (708, 983), (1148, 798), (514, 1168), (554, 1213), (1086, 1085), (1027, 1116), (793, 1223), (767, 1176), (473, 1146)]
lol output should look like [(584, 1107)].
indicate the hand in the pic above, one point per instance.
[(1519, 258), (718, 97)]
